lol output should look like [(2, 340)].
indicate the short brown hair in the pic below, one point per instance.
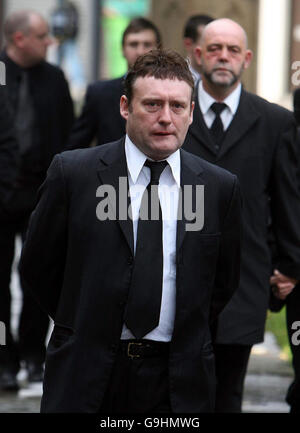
[(140, 24), (160, 64)]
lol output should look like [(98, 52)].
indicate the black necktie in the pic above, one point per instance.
[(144, 300), (24, 116), (217, 129)]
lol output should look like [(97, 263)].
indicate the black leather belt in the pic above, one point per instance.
[(143, 348)]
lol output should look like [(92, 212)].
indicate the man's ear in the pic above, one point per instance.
[(124, 107), (18, 38), (248, 58), (197, 54), (192, 112)]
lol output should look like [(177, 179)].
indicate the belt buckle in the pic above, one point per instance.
[(128, 350)]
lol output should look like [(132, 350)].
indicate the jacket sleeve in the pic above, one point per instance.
[(84, 128), (285, 202), (228, 265), (8, 149), (66, 109), (43, 255)]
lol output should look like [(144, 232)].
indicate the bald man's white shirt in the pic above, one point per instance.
[(232, 101)]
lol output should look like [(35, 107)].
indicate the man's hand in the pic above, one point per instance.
[(282, 285)]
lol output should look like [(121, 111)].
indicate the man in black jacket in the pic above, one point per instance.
[(42, 108), (100, 117), (255, 140), (133, 294)]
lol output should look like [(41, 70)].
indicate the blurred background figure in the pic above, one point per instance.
[(191, 37), (100, 117), (40, 103), (64, 23), (296, 104), (292, 303)]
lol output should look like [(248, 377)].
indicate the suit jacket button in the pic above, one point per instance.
[(130, 260)]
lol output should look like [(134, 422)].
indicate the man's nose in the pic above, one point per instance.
[(224, 53), (165, 114)]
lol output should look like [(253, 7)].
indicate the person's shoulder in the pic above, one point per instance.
[(90, 156), (50, 70), (105, 86), (197, 164), (266, 107)]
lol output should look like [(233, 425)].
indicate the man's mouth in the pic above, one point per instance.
[(162, 133), (222, 70)]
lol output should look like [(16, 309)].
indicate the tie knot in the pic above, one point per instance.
[(156, 170), (218, 107)]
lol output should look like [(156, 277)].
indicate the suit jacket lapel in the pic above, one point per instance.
[(243, 120), (199, 129), (190, 176), (112, 167)]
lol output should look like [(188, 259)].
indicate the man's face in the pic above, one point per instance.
[(223, 55), (34, 44), (159, 115), (137, 44)]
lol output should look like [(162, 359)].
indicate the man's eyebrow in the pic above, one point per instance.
[(219, 44)]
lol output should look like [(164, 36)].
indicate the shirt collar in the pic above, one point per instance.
[(136, 159), (232, 100), (194, 73)]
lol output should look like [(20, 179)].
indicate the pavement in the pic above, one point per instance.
[(267, 379)]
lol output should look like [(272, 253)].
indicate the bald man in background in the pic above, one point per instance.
[(39, 101), (255, 140)]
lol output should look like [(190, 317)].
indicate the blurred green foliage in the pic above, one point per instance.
[(276, 323)]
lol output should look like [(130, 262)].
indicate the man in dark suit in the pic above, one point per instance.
[(133, 295), (100, 118), (284, 293), (253, 139), (42, 109)]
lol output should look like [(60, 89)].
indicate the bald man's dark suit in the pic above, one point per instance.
[(259, 147)]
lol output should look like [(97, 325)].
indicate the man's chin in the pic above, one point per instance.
[(161, 149)]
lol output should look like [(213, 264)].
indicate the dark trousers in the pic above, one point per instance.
[(293, 315), (231, 366), (138, 386), (33, 323)]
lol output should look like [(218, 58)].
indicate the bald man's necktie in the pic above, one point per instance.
[(217, 128), (24, 116), (144, 300)]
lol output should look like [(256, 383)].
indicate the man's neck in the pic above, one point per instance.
[(194, 65), (217, 92), (16, 57)]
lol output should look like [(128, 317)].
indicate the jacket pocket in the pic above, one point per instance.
[(60, 335)]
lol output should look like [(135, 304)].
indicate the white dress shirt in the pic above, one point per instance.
[(232, 102), (168, 191)]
